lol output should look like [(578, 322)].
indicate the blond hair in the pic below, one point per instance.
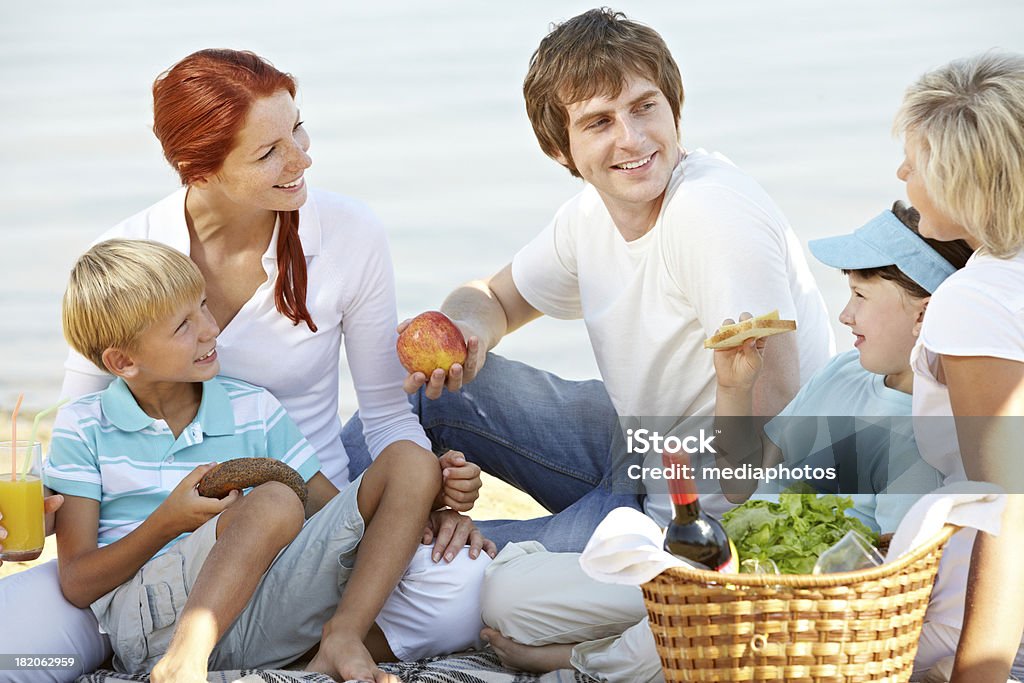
[(967, 119), (119, 288), (590, 54)]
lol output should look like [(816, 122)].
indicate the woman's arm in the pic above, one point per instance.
[(987, 396), (369, 322), (81, 377)]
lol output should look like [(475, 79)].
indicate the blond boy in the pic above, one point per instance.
[(180, 581)]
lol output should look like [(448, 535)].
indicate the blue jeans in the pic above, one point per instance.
[(549, 437)]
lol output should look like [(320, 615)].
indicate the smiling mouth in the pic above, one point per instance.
[(630, 165), (292, 185), (207, 355)]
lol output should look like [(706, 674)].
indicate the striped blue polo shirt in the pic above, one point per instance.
[(106, 448)]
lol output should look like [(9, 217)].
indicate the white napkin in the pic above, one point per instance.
[(972, 504), (626, 548)]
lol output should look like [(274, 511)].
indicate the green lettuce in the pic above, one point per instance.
[(792, 532)]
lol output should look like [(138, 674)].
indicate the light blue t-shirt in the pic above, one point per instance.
[(846, 417), (106, 448)]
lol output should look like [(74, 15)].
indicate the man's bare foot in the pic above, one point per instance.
[(171, 669), (344, 657), (535, 658)]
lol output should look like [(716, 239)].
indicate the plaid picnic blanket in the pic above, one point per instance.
[(479, 667)]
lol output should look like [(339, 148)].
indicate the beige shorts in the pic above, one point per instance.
[(297, 595)]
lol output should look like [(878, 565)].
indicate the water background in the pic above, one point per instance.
[(415, 108)]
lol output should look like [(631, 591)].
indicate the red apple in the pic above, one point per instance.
[(431, 341)]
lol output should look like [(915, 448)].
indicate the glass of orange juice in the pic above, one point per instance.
[(21, 502)]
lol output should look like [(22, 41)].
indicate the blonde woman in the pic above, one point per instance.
[(963, 125)]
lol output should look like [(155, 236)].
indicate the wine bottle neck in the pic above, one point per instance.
[(685, 513), (683, 491), (681, 487)]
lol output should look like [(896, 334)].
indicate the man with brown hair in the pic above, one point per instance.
[(659, 246)]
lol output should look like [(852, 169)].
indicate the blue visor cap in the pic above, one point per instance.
[(885, 241)]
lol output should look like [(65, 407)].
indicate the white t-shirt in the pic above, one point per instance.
[(350, 296), (977, 311), (720, 246)]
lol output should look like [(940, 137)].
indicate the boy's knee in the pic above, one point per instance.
[(416, 466), (279, 508)]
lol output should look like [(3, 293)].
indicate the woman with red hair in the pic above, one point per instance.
[(291, 273)]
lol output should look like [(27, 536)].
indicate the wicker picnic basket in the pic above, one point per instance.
[(847, 627)]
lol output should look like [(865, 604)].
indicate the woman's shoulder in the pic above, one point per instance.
[(163, 221), (994, 283), (342, 219), (332, 207), (979, 310), (349, 234)]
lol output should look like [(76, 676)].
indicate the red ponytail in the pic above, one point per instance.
[(290, 288), (199, 106)]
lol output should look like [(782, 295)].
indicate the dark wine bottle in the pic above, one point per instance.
[(694, 536)]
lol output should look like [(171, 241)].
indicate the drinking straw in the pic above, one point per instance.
[(32, 436), (14, 438)]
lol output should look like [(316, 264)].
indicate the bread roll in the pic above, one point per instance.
[(242, 473)]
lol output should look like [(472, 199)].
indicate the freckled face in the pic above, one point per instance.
[(934, 223), (264, 170)]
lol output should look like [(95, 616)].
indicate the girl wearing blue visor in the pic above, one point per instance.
[(892, 272)]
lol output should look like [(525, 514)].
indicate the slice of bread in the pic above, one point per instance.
[(765, 325)]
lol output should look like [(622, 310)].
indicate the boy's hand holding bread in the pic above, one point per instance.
[(185, 510), (739, 347)]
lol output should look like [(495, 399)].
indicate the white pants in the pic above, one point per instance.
[(36, 619), (539, 598)]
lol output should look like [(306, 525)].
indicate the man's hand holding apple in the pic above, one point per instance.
[(439, 353)]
